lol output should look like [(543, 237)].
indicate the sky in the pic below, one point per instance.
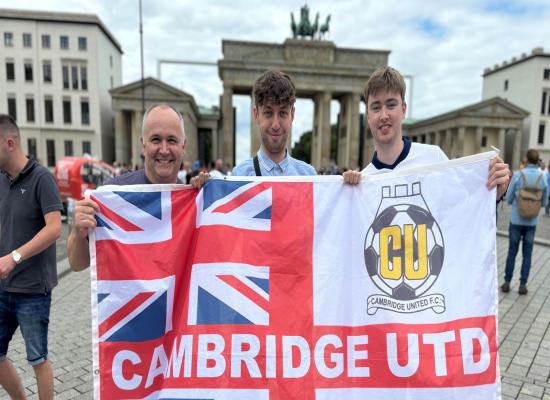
[(445, 45)]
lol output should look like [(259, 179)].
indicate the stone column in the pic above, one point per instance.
[(459, 148), (121, 144), (348, 145), (228, 125), (255, 139), (320, 143), (479, 137), (136, 138), (448, 143), (516, 154), (502, 142)]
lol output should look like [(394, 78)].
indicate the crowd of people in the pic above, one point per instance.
[(30, 201)]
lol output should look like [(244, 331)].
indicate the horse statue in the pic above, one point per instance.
[(323, 30), (315, 27), (304, 27), (293, 26)]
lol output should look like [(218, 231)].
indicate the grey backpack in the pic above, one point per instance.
[(529, 198)]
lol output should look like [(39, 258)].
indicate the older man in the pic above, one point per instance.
[(162, 146), (30, 223)]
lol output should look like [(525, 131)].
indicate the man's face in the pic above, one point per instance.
[(275, 122), (4, 151), (162, 145), (385, 111)]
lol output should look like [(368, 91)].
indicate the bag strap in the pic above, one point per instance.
[(523, 178), (257, 166), (537, 182)]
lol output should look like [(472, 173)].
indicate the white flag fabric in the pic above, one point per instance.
[(299, 288)]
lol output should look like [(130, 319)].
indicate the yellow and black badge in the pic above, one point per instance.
[(404, 252)]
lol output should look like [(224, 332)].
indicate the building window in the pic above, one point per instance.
[(28, 72), (69, 148), (484, 141), (27, 40), (74, 76), (8, 39), (10, 71), (47, 71), (46, 42), (83, 78), (111, 82), (541, 134), (546, 73), (506, 85), (30, 109), (111, 60), (48, 109), (82, 43), (12, 107), (86, 147), (50, 152), (65, 77), (31, 148), (67, 111), (543, 107), (85, 112), (64, 42)]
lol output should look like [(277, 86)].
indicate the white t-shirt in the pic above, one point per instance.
[(415, 155)]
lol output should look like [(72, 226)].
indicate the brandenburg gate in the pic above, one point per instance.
[(321, 72)]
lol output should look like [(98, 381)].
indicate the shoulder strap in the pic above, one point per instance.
[(539, 178), (523, 178), (257, 166)]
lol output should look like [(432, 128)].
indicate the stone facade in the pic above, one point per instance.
[(321, 72), (474, 129)]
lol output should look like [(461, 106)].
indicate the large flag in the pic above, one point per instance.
[(299, 288)]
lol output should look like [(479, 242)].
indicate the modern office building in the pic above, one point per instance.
[(56, 70)]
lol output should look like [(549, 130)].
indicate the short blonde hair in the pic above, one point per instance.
[(387, 79)]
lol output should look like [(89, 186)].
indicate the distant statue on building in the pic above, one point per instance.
[(324, 28), (305, 28)]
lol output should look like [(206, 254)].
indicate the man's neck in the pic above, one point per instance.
[(275, 157), (389, 153), (16, 165)]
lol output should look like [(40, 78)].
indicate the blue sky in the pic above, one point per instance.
[(444, 45)]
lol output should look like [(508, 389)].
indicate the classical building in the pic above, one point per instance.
[(321, 72), (56, 70), (525, 81), (474, 129), (201, 123)]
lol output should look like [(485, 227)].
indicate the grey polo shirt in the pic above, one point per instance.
[(23, 204)]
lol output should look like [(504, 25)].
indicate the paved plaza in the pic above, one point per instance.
[(524, 334)]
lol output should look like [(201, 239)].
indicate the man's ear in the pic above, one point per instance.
[(256, 113), (292, 110), (404, 109)]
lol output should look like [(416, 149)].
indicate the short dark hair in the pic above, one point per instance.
[(532, 156), (274, 87), (385, 78), (8, 125)]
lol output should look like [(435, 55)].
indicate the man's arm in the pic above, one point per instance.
[(40, 242), (499, 176), (78, 249)]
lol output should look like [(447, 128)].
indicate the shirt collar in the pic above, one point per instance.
[(29, 166), (404, 153), (269, 164)]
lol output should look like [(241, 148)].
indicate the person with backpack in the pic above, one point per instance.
[(527, 193)]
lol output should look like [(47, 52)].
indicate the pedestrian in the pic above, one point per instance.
[(30, 223), (522, 224), (162, 146)]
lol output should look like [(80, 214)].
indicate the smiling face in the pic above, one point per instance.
[(385, 111), (163, 144), (274, 122)]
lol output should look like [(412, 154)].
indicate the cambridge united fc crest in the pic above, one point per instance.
[(404, 252)]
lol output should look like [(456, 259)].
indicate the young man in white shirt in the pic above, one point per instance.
[(386, 108)]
